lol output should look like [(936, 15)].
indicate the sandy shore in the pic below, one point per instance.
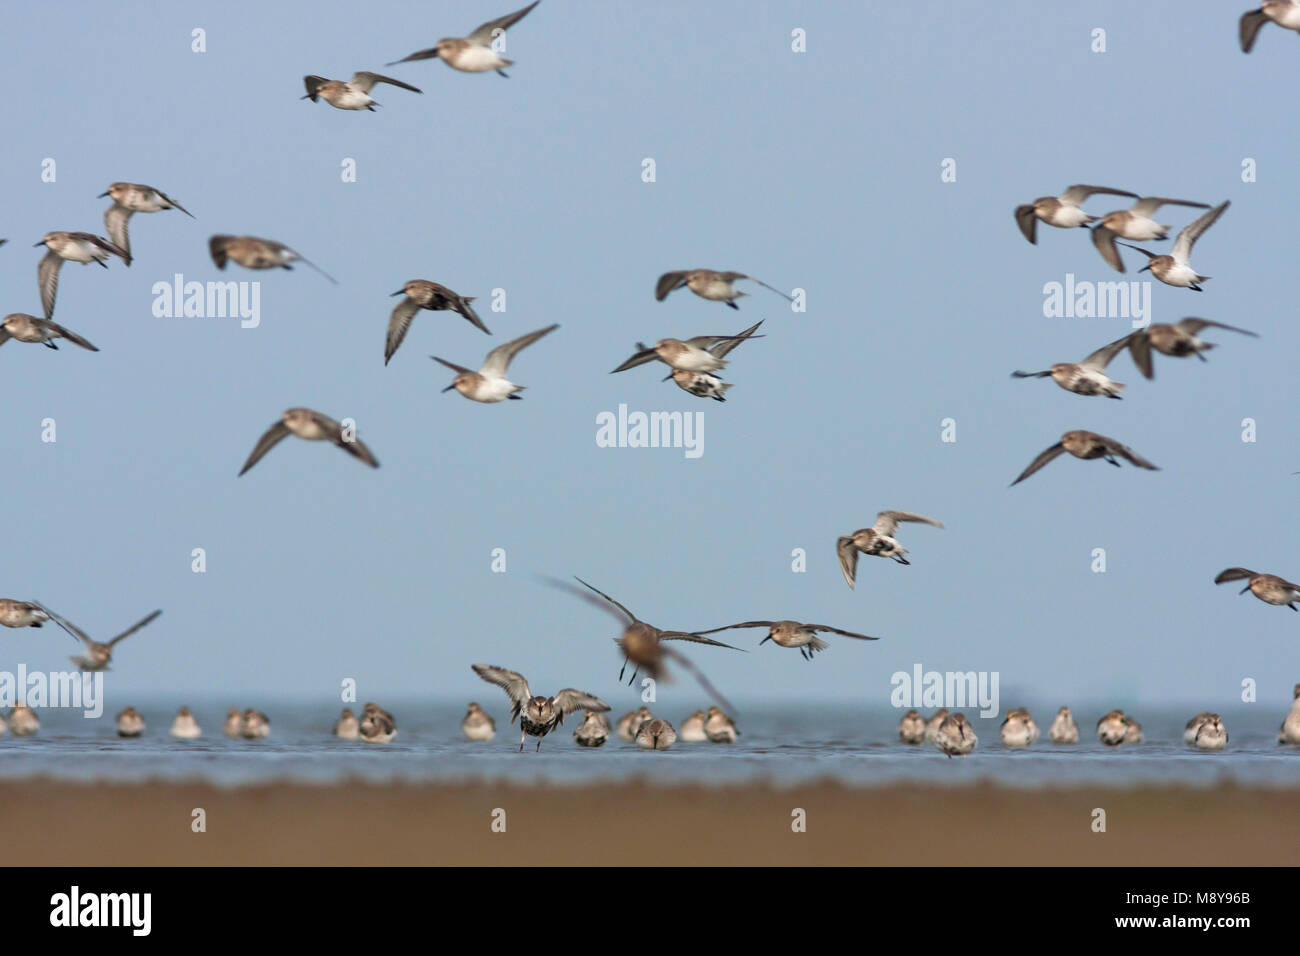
[(362, 824)]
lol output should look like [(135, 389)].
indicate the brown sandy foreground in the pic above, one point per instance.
[(633, 823)]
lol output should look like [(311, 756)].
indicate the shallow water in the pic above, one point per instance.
[(779, 744)]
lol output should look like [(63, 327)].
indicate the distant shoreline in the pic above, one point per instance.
[(358, 824)]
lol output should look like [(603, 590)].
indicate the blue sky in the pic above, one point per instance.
[(816, 170)]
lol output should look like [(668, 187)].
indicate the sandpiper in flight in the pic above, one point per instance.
[(794, 634), (353, 94), (254, 253), (706, 384), (1087, 377), (688, 355), (708, 284), (313, 426), (489, 383), (128, 199), (1178, 340), (1285, 13), (877, 541), (97, 655), (1135, 224), (538, 716), (1064, 211), (1176, 268), (63, 247), (1086, 445), (423, 294), (474, 53), (22, 327), (1269, 588)]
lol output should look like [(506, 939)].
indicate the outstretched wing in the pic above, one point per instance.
[(1139, 347), (498, 360), (365, 81), (1182, 250), (694, 639), (134, 627), (848, 555), (1128, 454), (1149, 204), (1195, 325), (1027, 222), (722, 348), (714, 630), (47, 277), (484, 34), (313, 84), (1078, 193), (398, 324), (836, 630), (887, 521), (1227, 574), (1101, 358), (270, 438), (515, 686), (115, 220), (630, 615), (569, 700), (1104, 240), (72, 629), (72, 337), (1249, 26), (669, 282), (642, 356), (1045, 457)]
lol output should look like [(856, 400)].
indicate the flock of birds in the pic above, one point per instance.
[(693, 365)]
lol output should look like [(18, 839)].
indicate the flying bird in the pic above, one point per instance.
[(22, 327), (1086, 445), (423, 294), (688, 355), (1087, 377), (97, 655), (1064, 211), (793, 634), (474, 53), (706, 384), (708, 284), (1176, 269), (1179, 340), (61, 247), (1269, 588), (254, 253), (128, 199), (877, 541), (353, 94), (1136, 224), (489, 384), (538, 716), (313, 426), (1285, 13)]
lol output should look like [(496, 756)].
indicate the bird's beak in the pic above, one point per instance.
[(39, 244), (666, 377), (1244, 590), (102, 195), (1145, 267), (449, 388), (399, 292), (765, 640)]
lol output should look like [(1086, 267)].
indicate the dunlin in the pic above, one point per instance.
[(185, 726), (1018, 729), (22, 721), (1285, 13), (1176, 269), (1086, 445), (955, 736), (377, 725), (313, 426), (254, 253), (911, 728), (489, 384), (1189, 731), (423, 294), (1063, 730), (347, 727), (878, 541), (353, 94), (719, 727), (794, 634), (1064, 211), (28, 328), (630, 723), (128, 199), (130, 723), (687, 355), (1179, 340), (706, 384), (656, 734), (474, 53), (932, 724), (711, 285), (1135, 224), (21, 613), (1087, 377), (1112, 728), (692, 729), (593, 731), (233, 723), (477, 723), (1210, 734), (538, 716), (1289, 732), (63, 247), (97, 655), (254, 725), (643, 647), (1269, 588)]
